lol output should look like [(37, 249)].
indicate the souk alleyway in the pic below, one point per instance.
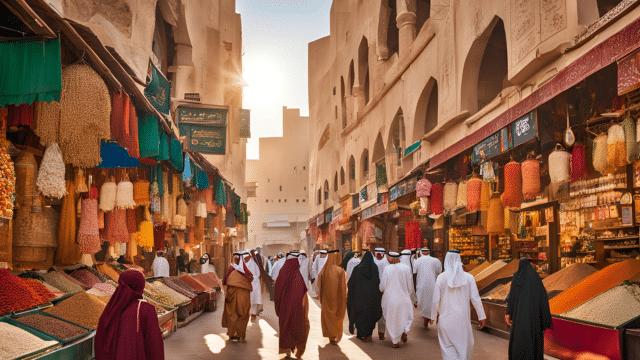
[(205, 338)]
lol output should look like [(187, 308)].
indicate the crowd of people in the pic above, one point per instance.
[(379, 290)]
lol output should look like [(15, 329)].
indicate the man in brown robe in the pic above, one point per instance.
[(237, 299), (332, 282), (292, 307)]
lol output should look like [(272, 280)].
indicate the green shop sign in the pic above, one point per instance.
[(205, 128)]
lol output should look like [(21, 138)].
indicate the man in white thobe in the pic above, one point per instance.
[(256, 293), (398, 297), (160, 265), (381, 261), (205, 264), (453, 291), (427, 270), (275, 270), (318, 264), (352, 263), (304, 266)]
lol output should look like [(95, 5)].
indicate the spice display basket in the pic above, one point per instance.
[(572, 335), (62, 341), (41, 335)]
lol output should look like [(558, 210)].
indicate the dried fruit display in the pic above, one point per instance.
[(194, 283), (7, 182)]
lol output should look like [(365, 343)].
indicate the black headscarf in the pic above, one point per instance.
[(528, 307), (345, 260), (364, 297)]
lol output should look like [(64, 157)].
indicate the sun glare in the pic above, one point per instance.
[(264, 82)]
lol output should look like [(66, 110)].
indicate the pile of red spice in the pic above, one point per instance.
[(20, 294)]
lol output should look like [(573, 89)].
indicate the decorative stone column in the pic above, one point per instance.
[(358, 93), (406, 22)]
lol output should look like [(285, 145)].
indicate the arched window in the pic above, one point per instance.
[(352, 168), (342, 176), (352, 78), (393, 35), (326, 190), (335, 182), (365, 166), (363, 67), (485, 69), (426, 117), (343, 96), (396, 143)]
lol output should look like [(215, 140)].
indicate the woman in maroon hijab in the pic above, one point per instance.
[(292, 308), (128, 328)]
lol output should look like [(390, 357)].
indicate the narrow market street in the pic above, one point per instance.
[(205, 338)]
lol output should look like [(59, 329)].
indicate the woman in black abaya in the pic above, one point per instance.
[(528, 314), (364, 299)]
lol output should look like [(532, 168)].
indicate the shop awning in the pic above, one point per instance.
[(115, 156), (31, 71), (22, 10), (600, 56)]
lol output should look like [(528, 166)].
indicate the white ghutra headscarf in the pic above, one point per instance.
[(453, 270)]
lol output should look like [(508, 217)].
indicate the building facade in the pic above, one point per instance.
[(409, 84), (277, 188)]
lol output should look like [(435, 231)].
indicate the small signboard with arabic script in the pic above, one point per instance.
[(204, 116), (524, 129), (206, 139)]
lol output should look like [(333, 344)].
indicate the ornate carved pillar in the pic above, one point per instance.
[(406, 22)]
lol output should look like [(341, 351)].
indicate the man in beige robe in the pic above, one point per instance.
[(237, 299), (332, 283)]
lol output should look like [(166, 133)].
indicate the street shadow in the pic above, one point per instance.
[(332, 352)]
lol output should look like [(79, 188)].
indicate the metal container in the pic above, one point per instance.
[(41, 335)]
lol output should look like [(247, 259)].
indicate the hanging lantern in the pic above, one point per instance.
[(559, 163), (141, 192), (485, 195), (108, 195), (450, 197), (600, 153), (495, 218), (461, 200), (530, 179), (474, 189), (616, 147), (437, 199), (512, 196), (578, 163), (629, 127), (124, 195)]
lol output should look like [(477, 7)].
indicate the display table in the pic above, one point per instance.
[(80, 349)]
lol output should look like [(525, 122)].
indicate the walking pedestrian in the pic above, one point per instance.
[(397, 298), (277, 266), (318, 264), (332, 282), (528, 314), (292, 309), (256, 292), (381, 261), (364, 298), (352, 263), (427, 270), (453, 292), (160, 265), (237, 298), (128, 327), (304, 266), (205, 264), (182, 263)]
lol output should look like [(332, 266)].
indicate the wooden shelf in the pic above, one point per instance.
[(614, 227), (586, 252), (618, 238), (622, 247)]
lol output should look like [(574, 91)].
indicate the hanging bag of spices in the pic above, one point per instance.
[(616, 147), (423, 192), (131, 221), (50, 181), (600, 152), (108, 193), (495, 218), (450, 197), (124, 197), (461, 200), (512, 196), (559, 165), (88, 233), (474, 189), (629, 127), (141, 192), (116, 226), (485, 195), (578, 163), (437, 199), (530, 179)]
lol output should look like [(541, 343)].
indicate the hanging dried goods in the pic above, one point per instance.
[(437, 198), (559, 165), (512, 196), (530, 179), (578, 163), (145, 235), (50, 181), (495, 218), (616, 147), (108, 195), (461, 199), (88, 232), (7, 181), (474, 189), (450, 197), (600, 153), (141, 192), (629, 127), (124, 195), (47, 120)]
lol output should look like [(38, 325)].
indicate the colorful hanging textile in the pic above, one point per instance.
[(20, 115), (160, 181), (474, 188), (381, 174), (163, 151), (132, 145), (485, 195), (116, 226), (187, 172), (148, 135), (221, 193), (412, 235), (202, 179), (437, 197), (578, 163), (68, 252), (88, 233), (31, 71), (176, 157), (208, 197), (423, 188), (512, 196), (236, 205), (530, 179), (159, 233), (244, 215)]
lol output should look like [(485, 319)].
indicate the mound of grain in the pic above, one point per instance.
[(490, 269), (605, 308), (503, 272), (15, 342), (82, 308), (480, 268), (567, 277), (60, 282)]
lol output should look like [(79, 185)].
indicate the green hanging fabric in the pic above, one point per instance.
[(160, 180), (176, 158), (381, 175), (221, 192), (31, 71), (244, 215), (202, 180), (163, 152), (148, 135), (237, 209)]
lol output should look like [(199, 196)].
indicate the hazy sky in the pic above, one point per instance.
[(275, 36)]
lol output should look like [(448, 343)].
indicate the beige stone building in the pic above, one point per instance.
[(277, 188), (436, 77)]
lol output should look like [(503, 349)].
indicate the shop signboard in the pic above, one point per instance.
[(328, 216), (205, 128), (403, 188), (505, 142), (320, 220), (412, 148), (347, 207), (524, 129), (337, 215), (488, 147), (158, 90), (204, 116)]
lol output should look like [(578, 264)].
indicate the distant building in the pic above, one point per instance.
[(276, 184)]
